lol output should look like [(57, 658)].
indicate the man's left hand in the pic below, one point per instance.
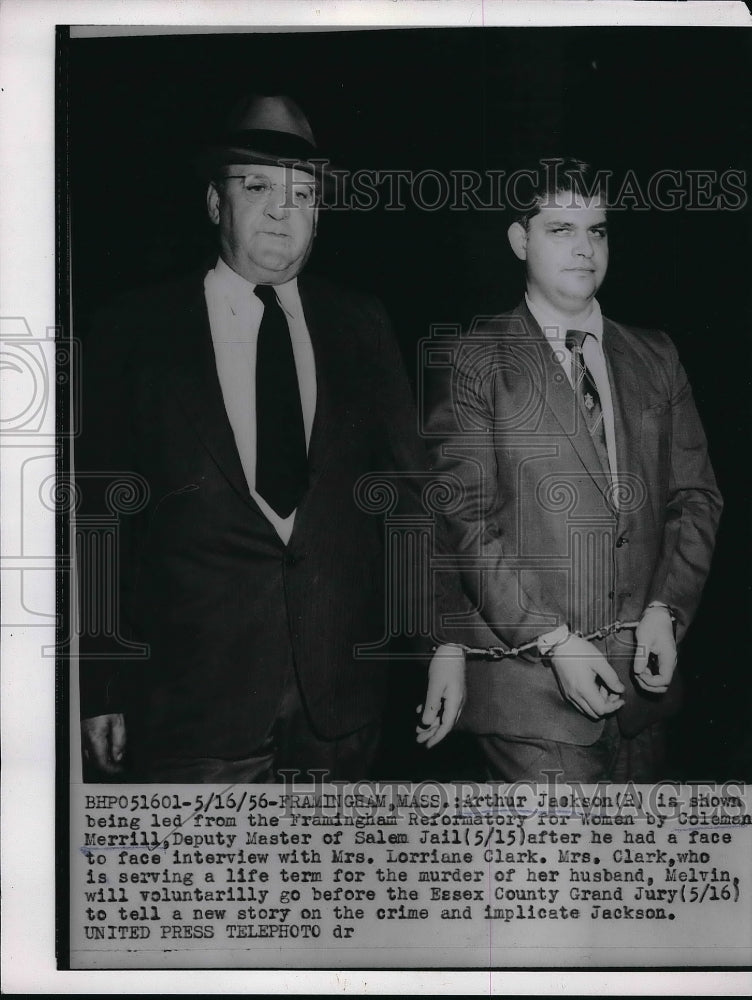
[(445, 695), (655, 634)]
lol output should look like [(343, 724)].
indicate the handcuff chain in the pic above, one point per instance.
[(501, 653)]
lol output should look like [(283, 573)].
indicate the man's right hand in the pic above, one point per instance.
[(586, 678), (103, 741)]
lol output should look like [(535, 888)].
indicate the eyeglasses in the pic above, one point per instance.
[(257, 190)]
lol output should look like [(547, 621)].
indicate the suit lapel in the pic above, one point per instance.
[(191, 374), (559, 397), (332, 386)]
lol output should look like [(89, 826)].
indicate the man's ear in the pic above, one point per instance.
[(517, 235), (315, 220), (212, 202)]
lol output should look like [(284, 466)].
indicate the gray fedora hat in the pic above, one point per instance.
[(270, 130)]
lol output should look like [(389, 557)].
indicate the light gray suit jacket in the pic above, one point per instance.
[(542, 536)]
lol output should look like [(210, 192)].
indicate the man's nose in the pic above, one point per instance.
[(584, 246), (277, 206)]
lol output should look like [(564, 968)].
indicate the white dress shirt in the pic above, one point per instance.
[(554, 329), (235, 317)]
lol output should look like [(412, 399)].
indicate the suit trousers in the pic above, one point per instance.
[(612, 757), (290, 752)]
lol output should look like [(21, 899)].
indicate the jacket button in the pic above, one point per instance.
[(621, 540), (290, 560)]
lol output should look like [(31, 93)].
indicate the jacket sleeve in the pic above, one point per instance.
[(421, 491), (693, 506)]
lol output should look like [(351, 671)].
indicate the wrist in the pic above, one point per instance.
[(658, 618), (550, 641), (659, 606)]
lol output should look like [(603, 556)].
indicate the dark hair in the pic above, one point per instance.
[(559, 175)]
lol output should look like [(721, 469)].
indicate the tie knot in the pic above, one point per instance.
[(266, 293), (576, 338)]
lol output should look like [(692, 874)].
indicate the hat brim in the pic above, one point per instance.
[(211, 160)]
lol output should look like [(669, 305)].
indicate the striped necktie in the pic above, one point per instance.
[(587, 395)]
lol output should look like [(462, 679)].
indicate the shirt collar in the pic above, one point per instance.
[(555, 326), (237, 288), (229, 281)]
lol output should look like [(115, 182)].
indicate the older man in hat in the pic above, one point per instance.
[(251, 400)]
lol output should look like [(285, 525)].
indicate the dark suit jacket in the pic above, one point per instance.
[(541, 539), (225, 607)]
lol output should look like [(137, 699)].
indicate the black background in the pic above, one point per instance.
[(451, 99)]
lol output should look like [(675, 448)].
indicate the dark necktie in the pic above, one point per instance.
[(587, 395), (281, 460)]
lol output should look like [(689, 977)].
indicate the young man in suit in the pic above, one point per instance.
[(588, 498), (249, 401)]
